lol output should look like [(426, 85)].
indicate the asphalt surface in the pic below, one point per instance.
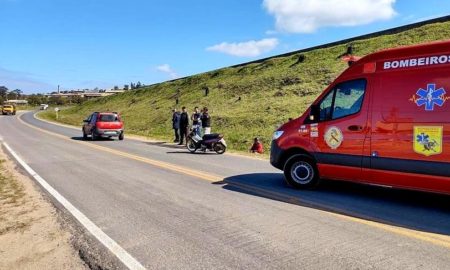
[(245, 217)]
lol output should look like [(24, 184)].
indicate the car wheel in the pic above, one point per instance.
[(93, 136), (84, 135), (121, 136), (301, 172)]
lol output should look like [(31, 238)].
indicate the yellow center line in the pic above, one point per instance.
[(433, 238)]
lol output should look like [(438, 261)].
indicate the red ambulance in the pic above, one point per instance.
[(384, 121)]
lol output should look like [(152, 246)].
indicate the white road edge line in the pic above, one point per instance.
[(109, 243)]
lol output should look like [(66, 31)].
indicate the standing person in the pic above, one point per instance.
[(176, 124), (184, 125), (196, 122), (206, 121)]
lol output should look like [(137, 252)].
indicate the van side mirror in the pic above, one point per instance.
[(314, 113), (86, 121)]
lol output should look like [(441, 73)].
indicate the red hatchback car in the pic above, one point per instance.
[(103, 124)]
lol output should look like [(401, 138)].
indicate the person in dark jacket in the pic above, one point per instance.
[(206, 121), (184, 125), (176, 124), (196, 122)]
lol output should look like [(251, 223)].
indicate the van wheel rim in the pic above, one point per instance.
[(302, 172)]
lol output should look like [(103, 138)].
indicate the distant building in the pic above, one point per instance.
[(84, 93), (16, 101)]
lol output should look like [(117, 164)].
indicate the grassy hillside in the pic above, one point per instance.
[(270, 92)]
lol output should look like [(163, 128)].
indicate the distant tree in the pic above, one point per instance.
[(138, 85), (76, 99), (37, 99), (57, 100), (18, 93), (11, 95), (116, 87), (3, 92), (33, 99), (126, 87), (132, 86)]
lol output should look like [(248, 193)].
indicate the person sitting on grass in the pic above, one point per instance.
[(257, 147)]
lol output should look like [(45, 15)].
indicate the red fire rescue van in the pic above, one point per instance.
[(384, 121)]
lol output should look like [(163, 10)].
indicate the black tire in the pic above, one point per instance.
[(84, 136), (190, 145), (121, 136), (300, 171), (93, 135), (219, 148)]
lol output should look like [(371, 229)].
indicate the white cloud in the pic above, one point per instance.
[(246, 49), (165, 68), (306, 16)]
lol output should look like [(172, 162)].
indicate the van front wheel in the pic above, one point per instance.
[(301, 172)]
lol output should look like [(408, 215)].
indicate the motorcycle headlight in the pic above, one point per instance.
[(277, 134)]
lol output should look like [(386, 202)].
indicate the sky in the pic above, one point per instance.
[(80, 44)]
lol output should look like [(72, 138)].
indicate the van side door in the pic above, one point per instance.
[(342, 128), (410, 140)]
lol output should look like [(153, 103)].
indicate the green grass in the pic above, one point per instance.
[(271, 92)]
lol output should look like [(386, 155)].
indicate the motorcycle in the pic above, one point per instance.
[(212, 142)]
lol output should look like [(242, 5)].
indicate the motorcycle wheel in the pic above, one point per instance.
[(219, 148), (190, 144)]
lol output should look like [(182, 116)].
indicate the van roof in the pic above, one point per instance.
[(403, 52), (407, 51)]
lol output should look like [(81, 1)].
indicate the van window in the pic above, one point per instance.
[(345, 99)]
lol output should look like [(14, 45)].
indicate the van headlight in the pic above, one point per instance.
[(277, 134)]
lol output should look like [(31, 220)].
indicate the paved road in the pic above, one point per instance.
[(229, 212)]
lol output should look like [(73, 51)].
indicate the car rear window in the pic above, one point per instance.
[(108, 118), (7, 106)]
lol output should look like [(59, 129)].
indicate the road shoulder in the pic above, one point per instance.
[(31, 236)]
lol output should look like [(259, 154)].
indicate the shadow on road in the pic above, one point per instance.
[(195, 153), (167, 145), (414, 210), (80, 138)]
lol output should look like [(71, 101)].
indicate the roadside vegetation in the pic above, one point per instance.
[(246, 101), (11, 195)]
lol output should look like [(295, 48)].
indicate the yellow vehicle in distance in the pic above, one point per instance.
[(8, 109)]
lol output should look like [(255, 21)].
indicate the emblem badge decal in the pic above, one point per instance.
[(430, 97), (333, 137), (428, 140)]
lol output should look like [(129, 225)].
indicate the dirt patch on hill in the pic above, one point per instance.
[(30, 235)]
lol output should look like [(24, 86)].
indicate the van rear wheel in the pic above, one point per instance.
[(301, 172)]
